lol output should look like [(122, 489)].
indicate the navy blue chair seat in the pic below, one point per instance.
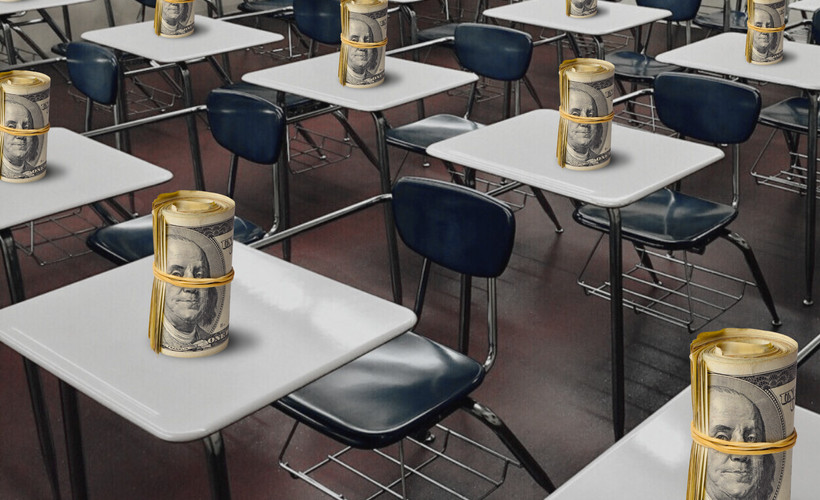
[(634, 66), (409, 383), (133, 239), (436, 32), (790, 114), (262, 5), (691, 223), (295, 105), (714, 21), (417, 136)]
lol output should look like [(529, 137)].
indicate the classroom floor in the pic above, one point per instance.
[(551, 383)]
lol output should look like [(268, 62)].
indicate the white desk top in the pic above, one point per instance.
[(806, 5), (7, 8), (317, 78), (611, 17), (523, 149), (652, 461), (723, 54), (288, 327), (79, 171), (210, 37)]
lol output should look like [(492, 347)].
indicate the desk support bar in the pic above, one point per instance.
[(217, 466), (617, 321), (73, 439)]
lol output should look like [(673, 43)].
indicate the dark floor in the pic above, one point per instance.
[(551, 383)]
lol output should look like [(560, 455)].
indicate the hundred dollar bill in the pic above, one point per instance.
[(174, 18), (764, 36), (24, 118), (584, 132), (582, 8), (193, 247), (743, 403), (364, 39)]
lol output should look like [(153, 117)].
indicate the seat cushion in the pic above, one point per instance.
[(714, 21), (790, 114), (133, 239), (417, 136), (436, 32), (262, 5), (664, 219), (638, 67), (407, 384)]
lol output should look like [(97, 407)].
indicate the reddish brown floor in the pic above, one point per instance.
[(551, 383)]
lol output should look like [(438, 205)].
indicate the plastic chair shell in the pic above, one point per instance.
[(511, 51), (319, 19), (245, 124), (94, 71)]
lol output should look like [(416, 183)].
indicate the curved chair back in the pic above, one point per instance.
[(815, 27), (682, 10), (151, 4), (246, 125), (707, 108), (463, 230), (319, 20), (493, 51), (94, 71)]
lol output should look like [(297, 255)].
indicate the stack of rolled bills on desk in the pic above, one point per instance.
[(743, 403), (190, 300), (24, 105), (364, 39), (582, 8), (764, 36), (174, 18), (586, 89)]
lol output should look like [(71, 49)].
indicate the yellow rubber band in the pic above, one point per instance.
[(363, 45), (761, 29), (24, 132), (743, 448), (183, 282), (586, 119), (178, 1)]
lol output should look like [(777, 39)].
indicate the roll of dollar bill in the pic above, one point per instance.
[(582, 8), (190, 300), (743, 402), (766, 20), (174, 18), (24, 107), (364, 39), (586, 88)]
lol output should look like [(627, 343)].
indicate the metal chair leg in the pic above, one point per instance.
[(500, 429), (744, 247)]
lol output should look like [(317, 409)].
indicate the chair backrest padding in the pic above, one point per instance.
[(94, 71), (454, 226), (682, 10), (493, 51), (707, 108), (320, 20), (246, 125)]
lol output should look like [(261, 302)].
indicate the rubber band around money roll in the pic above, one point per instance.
[(589, 9), (21, 79), (380, 5), (158, 12), (598, 73), (746, 351), (197, 204), (752, 29)]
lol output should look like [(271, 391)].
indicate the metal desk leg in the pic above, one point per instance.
[(600, 48), (387, 187), (617, 321), (73, 442), (9, 42), (190, 120), (35, 387), (217, 466), (811, 199)]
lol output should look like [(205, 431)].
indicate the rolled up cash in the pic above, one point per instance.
[(585, 129), (582, 8), (190, 300), (24, 105), (174, 18), (764, 36), (364, 39), (743, 402)]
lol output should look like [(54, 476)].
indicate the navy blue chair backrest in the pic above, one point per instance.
[(320, 20), (493, 51), (682, 10), (707, 108), (151, 4), (94, 71), (815, 26), (456, 227), (246, 125)]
